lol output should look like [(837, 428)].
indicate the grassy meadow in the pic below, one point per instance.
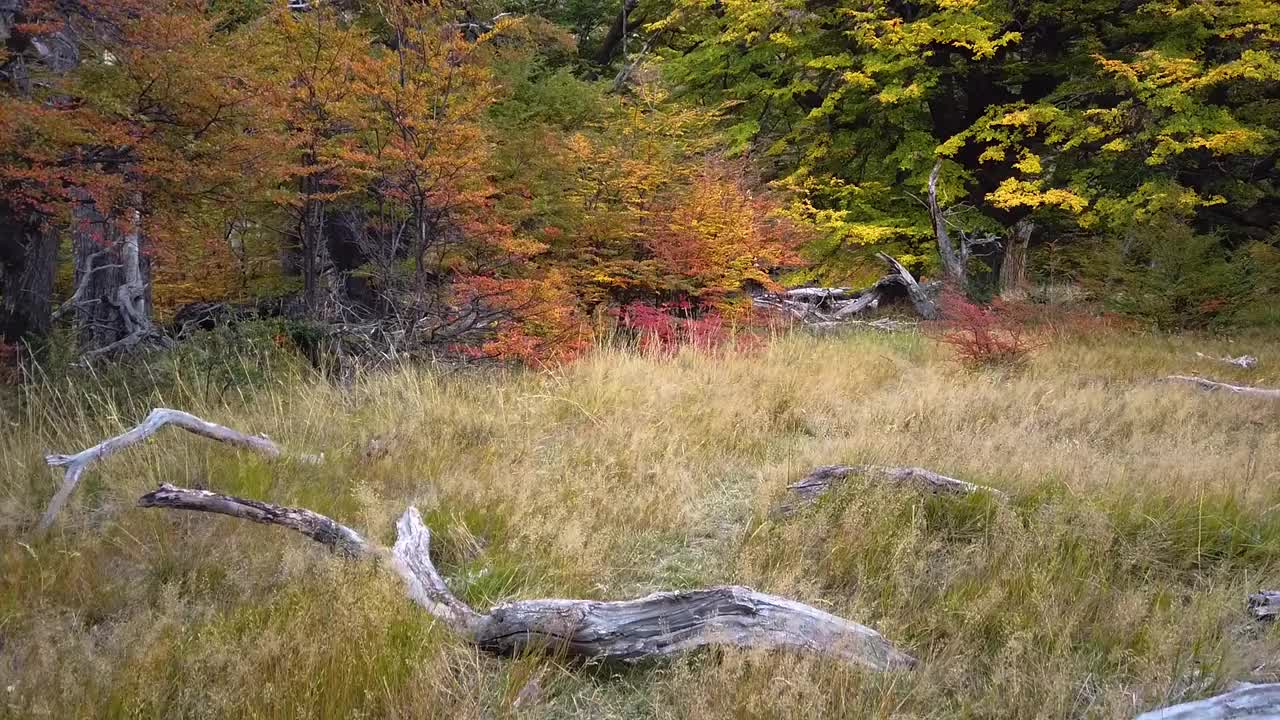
[(1113, 581)]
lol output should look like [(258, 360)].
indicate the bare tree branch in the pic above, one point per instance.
[(158, 418)]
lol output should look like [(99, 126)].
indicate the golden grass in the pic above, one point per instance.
[(1114, 580)]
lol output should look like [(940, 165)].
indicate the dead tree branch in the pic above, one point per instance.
[(822, 479), (1248, 362), (158, 418), (826, 306), (1267, 393), (654, 626), (1247, 702)]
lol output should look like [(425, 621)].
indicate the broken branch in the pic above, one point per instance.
[(1268, 393), (654, 626), (824, 478), (158, 418)]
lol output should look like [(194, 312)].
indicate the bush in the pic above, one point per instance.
[(666, 328), (1171, 277), (992, 336)]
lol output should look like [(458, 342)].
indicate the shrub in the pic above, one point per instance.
[(992, 336), (666, 328), (1171, 277)]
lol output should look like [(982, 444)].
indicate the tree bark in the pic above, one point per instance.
[(1013, 267), (830, 306), (28, 264), (654, 626)]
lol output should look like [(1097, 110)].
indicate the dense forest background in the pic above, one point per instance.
[(512, 178)]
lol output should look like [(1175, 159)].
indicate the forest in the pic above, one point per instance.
[(675, 358)]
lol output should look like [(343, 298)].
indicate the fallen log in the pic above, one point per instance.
[(654, 626), (1247, 702), (831, 305), (158, 418), (1264, 604), (823, 478), (1267, 393)]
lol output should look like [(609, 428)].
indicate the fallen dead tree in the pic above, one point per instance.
[(1245, 702), (1267, 393), (816, 305), (158, 418), (654, 626), (823, 478)]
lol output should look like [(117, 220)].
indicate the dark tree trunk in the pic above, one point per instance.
[(28, 261), (617, 31), (1013, 267)]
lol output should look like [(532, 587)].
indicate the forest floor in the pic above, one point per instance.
[(1114, 579)]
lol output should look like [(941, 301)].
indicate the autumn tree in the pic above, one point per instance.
[(1076, 116)]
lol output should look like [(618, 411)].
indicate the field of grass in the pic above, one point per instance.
[(1113, 581)]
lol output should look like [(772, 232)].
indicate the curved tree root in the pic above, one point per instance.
[(654, 626)]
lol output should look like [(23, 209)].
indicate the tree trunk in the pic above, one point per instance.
[(617, 33), (1013, 268), (953, 260), (112, 297), (28, 264)]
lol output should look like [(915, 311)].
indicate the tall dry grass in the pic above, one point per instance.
[(1113, 581)]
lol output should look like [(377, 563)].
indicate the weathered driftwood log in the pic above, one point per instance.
[(1267, 393), (160, 417), (831, 305), (823, 478), (654, 626), (1264, 604), (1247, 702)]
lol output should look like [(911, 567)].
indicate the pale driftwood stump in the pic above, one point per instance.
[(821, 479), (829, 306), (654, 626)]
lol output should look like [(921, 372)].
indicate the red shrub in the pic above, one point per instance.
[(983, 336), (668, 327)]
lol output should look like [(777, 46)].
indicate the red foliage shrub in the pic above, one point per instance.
[(994, 336), (666, 328)]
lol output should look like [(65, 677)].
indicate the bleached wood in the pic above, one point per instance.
[(1249, 702), (1267, 393), (1264, 604), (1248, 362), (158, 418), (919, 298), (654, 626), (823, 478)]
